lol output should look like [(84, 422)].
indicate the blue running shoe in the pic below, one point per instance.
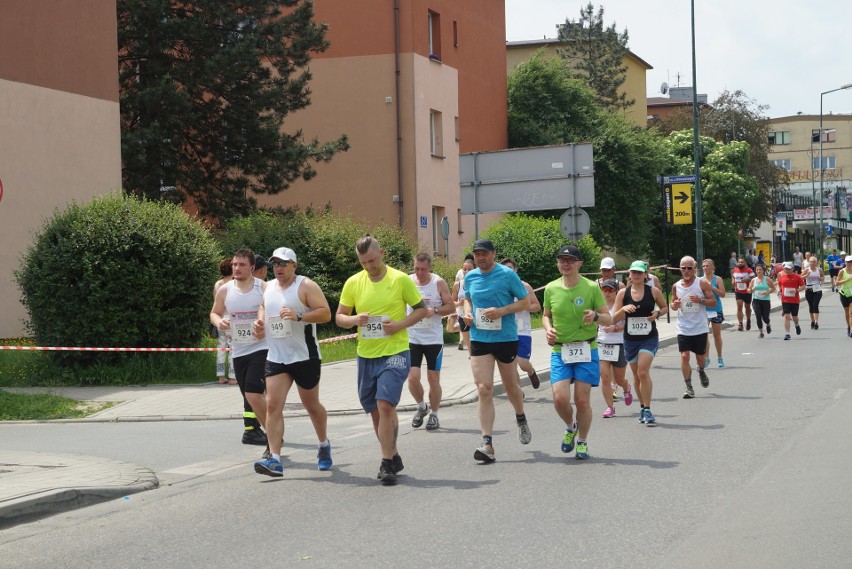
[(568, 439), (649, 418), (269, 467), (324, 458), (582, 451), (642, 415)]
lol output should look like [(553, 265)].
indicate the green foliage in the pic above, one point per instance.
[(118, 272), (38, 407), (596, 53), (205, 87), (533, 242)]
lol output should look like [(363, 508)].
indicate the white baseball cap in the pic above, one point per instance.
[(849, 259), (607, 263), (284, 254), (787, 264)]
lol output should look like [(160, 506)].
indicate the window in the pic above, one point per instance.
[(828, 135), (827, 163), (455, 33), (779, 137), (439, 246), (434, 36), (458, 133), (783, 163), (459, 220), (436, 134)]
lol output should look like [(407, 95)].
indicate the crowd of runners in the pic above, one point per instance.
[(595, 329)]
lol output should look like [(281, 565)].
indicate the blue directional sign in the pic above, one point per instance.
[(828, 230)]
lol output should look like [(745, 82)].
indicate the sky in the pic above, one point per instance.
[(781, 53)]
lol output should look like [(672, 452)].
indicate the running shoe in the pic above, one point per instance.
[(484, 453), (649, 417), (816, 325), (269, 467), (397, 464), (524, 433), (748, 324), (689, 393), (786, 336), (266, 454), (610, 412), (432, 424), (740, 328), (798, 330), (628, 398), (387, 475), (582, 451), (705, 381), (614, 394), (642, 415), (568, 439), (534, 380), (812, 325), (768, 328), (254, 436), (760, 335), (417, 420), (721, 361), (461, 346), (324, 458)]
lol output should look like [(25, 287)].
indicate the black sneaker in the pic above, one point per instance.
[(534, 380), (798, 330), (254, 436), (387, 475), (705, 381), (417, 420), (397, 464), (768, 329)]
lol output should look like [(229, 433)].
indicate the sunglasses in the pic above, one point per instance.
[(280, 263), (687, 268)]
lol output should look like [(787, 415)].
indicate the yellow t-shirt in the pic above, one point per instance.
[(389, 297)]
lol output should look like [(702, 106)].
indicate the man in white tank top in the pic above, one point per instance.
[(426, 338), (235, 311), (292, 307), (691, 297)]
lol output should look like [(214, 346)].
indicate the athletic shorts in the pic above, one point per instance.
[(524, 346), (503, 352), (833, 272), (621, 362), (434, 355), (249, 370), (745, 297), (382, 378), (695, 344), (587, 372), (845, 300), (718, 319), (306, 373), (463, 327), (791, 308), (633, 347)]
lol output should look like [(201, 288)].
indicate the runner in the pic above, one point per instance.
[(813, 277), (608, 272), (714, 315), (573, 308), (380, 296), (224, 360), (525, 330), (493, 295), (426, 338), (240, 299), (742, 275), (641, 305), (833, 269), (798, 260), (789, 286), (691, 297), (611, 353), (458, 298), (761, 287), (844, 287), (293, 305)]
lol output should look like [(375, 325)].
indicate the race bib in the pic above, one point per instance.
[(638, 326), (485, 323), (790, 291), (424, 324), (742, 287), (374, 328), (687, 306), (241, 324), (279, 327), (577, 352), (609, 352), (816, 288)]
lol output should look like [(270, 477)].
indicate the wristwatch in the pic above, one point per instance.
[(595, 319), (299, 316)]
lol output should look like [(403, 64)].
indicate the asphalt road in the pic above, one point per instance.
[(751, 473)]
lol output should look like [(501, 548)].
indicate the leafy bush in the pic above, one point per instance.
[(118, 272)]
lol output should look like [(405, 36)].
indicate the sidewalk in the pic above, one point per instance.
[(76, 481)]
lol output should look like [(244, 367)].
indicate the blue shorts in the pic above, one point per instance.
[(587, 372), (633, 347), (382, 378), (524, 346)]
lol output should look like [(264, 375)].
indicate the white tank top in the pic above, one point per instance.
[(610, 337), (241, 308), (428, 331), (460, 309), (524, 323), (289, 341), (692, 316), (813, 278)]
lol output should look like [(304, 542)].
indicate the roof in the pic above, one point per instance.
[(553, 41)]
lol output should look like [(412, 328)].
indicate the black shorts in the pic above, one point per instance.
[(695, 344), (743, 296), (249, 371), (432, 353), (833, 272), (791, 308), (463, 327), (306, 373), (503, 352), (845, 300)]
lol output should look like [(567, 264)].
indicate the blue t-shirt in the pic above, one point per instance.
[(498, 287)]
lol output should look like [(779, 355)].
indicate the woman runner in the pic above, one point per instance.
[(760, 288), (611, 352), (714, 315), (813, 276)]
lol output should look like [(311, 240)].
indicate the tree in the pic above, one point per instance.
[(596, 53), (546, 107), (205, 87)]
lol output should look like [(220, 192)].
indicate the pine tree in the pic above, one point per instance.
[(205, 87), (595, 54)]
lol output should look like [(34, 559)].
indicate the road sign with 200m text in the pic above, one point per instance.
[(677, 199)]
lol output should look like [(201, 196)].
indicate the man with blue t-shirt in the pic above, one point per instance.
[(489, 309)]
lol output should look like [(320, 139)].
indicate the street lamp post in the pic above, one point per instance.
[(821, 224), (696, 151)]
